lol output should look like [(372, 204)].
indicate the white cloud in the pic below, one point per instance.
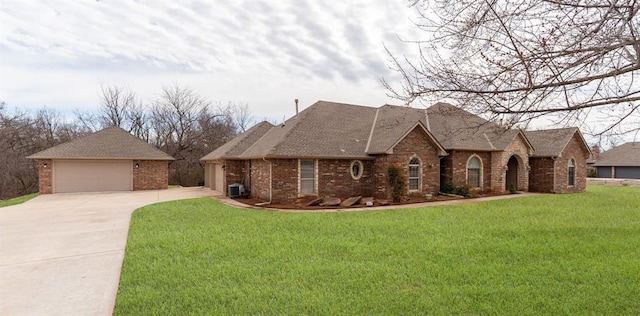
[(264, 53)]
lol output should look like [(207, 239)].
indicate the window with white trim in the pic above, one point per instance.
[(473, 172), (414, 174), (571, 173), (356, 169), (307, 176)]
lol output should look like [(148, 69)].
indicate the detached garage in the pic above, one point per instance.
[(108, 160), (622, 162)]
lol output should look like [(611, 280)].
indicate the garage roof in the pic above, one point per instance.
[(626, 155), (109, 143)]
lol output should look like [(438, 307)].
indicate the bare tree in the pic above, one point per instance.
[(174, 121), (241, 116), (520, 60), (22, 134), (120, 107)]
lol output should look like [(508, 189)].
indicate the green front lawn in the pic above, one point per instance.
[(18, 200), (552, 254)]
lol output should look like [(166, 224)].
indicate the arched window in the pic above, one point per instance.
[(414, 174), (572, 172), (473, 172)]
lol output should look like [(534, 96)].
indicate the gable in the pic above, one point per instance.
[(422, 130)]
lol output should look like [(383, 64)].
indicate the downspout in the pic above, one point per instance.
[(553, 190)]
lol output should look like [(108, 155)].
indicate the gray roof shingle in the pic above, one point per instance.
[(626, 155), (552, 142), (338, 130), (109, 143), (457, 129), (326, 130), (323, 130), (241, 143)]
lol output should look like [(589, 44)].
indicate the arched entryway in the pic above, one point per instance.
[(512, 174)]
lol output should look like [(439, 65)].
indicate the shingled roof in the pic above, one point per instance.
[(327, 130), (457, 129), (109, 143), (626, 155), (552, 142), (346, 131), (241, 143)]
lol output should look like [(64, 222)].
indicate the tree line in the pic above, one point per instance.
[(179, 121)]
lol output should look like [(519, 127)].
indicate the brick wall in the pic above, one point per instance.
[(455, 168), (259, 187), (285, 179), (415, 144), (150, 175), (576, 151), (541, 175), (236, 171), (334, 178), (45, 176)]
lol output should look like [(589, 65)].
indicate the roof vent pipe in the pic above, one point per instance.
[(296, 100)]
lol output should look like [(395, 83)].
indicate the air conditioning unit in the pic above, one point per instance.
[(235, 190)]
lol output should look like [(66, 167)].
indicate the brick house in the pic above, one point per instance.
[(559, 162), (108, 160), (343, 150)]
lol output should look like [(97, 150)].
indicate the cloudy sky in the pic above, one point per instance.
[(263, 53)]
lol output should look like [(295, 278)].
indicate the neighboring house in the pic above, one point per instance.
[(108, 160), (342, 150), (558, 164), (622, 162)]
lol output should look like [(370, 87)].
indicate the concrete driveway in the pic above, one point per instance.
[(61, 254)]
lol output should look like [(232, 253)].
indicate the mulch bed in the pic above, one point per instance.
[(301, 203)]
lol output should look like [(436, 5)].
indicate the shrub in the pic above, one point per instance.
[(447, 187), (397, 183), (463, 190)]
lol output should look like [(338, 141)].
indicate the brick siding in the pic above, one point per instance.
[(45, 176), (334, 178), (150, 175), (259, 187), (542, 174), (576, 151), (454, 168)]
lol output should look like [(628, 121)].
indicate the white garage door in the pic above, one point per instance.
[(92, 175)]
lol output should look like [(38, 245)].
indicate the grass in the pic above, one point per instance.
[(552, 254), (18, 200)]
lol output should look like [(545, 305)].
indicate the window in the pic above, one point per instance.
[(572, 172), (356, 169), (414, 174), (307, 176), (473, 172)]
